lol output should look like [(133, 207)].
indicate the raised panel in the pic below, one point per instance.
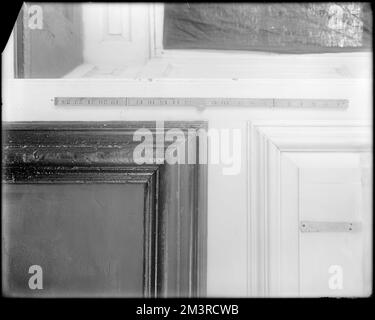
[(82, 236), (308, 171), (116, 37), (117, 21), (85, 154), (320, 252), (330, 194), (333, 194)]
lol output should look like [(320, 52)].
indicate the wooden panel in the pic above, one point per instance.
[(118, 22), (333, 195), (321, 187), (49, 40), (307, 171), (117, 37), (114, 20), (88, 239), (174, 195)]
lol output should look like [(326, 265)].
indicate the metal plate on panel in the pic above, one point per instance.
[(327, 226)]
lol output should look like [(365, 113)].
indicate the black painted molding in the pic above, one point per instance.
[(102, 152)]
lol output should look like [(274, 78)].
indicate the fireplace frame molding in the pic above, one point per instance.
[(175, 215)]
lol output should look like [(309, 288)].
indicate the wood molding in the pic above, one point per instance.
[(97, 152), (268, 141)]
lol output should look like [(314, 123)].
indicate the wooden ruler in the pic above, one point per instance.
[(201, 102)]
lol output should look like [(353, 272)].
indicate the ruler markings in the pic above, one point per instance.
[(201, 102)]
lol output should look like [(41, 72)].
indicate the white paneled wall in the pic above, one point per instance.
[(115, 35), (307, 172), (237, 261), (125, 40)]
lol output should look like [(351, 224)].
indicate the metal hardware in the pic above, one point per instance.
[(201, 102), (325, 226)]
